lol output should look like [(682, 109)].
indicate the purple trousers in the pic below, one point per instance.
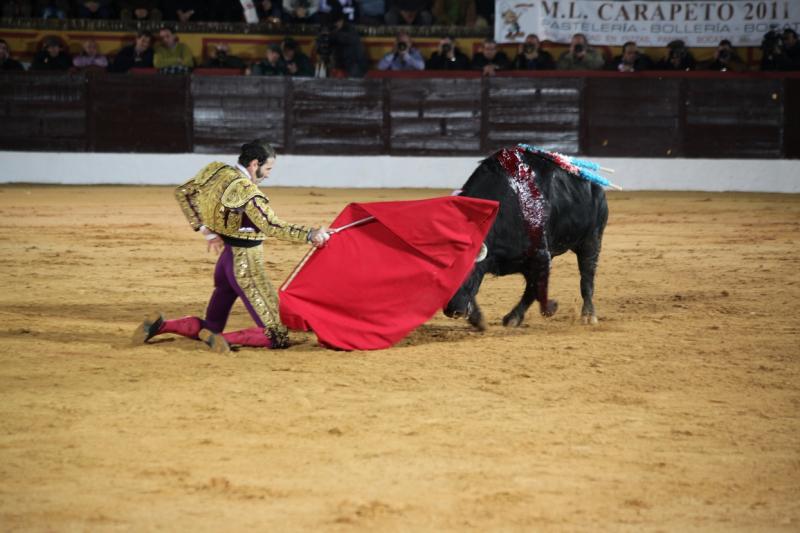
[(226, 290)]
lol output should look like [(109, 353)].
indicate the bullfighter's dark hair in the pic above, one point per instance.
[(259, 150)]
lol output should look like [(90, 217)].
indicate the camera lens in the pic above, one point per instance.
[(402, 47), (579, 48), (528, 48), (446, 48)]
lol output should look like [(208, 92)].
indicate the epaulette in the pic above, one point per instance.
[(239, 192)]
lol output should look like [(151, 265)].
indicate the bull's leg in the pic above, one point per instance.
[(588, 255), (536, 282), (515, 316), (542, 260), (475, 316)]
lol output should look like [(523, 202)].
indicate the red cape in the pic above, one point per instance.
[(373, 283)]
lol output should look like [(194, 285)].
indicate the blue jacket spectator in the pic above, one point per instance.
[(403, 57)]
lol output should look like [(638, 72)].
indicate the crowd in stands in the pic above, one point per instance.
[(338, 49), (466, 13)]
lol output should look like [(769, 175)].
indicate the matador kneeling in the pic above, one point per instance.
[(224, 203)]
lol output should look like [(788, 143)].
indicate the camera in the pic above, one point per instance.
[(529, 48), (579, 48), (446, 48), (402, 47), (724, 54)]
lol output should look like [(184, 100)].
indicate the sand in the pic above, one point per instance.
[(679, 411)]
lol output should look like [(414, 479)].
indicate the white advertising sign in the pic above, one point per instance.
[(743, 22)]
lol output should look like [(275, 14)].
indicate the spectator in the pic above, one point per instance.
[(183, 10), (219, 57), (140, 10), (448, 57), (94, 9), (297, 63), (372, 12), (772, 52), (347, 49), (403, 57), (791, 47), (136, 55), (409, 13), (52, 56), (300, 11), (171, 56), (7, 63), (90, 57), (678, 57), (271, 65), (489, 60), (54, 9), (269, 11), (580, 55), (631, 60), (532, 57), (484, 10), (348, 7), (725, 58), (454, 12)]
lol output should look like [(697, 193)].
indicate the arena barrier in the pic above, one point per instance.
[(746, 175), (600, 114)]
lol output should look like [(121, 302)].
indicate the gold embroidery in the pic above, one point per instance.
[(251, 275), (239, 192)]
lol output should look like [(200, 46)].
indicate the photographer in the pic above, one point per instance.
[(580, 56), (725, 59), (220, 58), (448, 57), (403, 57), (678, 58), (532, 57), (347, 50)]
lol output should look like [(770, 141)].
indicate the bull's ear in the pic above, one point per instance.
[(482, 253)]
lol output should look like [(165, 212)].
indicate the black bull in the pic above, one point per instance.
[(561, 212)]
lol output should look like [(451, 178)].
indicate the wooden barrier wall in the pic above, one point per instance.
[(605, 114)]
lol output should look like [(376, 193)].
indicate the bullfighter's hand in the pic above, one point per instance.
[(213, 241), (319, 237), (216, 245)]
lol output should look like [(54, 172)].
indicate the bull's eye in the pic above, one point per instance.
[(482, 253)]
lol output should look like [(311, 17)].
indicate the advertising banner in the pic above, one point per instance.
[(698, 24)]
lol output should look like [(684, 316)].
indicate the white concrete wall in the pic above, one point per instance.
[(781, 176)]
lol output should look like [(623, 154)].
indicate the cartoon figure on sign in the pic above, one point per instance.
[(511, 18)]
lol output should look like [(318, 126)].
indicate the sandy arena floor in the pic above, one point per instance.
[(679, 411)]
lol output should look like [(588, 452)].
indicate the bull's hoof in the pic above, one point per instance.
[(550, 309), (512, 320), (478, 322), (589, 320)]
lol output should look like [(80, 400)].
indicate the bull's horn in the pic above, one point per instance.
[(483, 253)]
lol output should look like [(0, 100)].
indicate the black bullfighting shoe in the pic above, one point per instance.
[(215, 341), (148, 329)]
